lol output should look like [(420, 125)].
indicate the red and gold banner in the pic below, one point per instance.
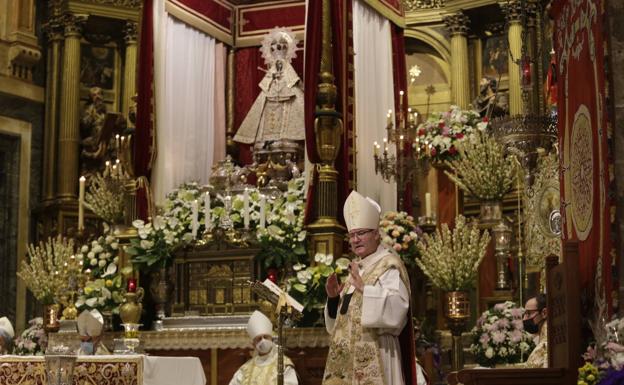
[(255, 20), (579, 46)]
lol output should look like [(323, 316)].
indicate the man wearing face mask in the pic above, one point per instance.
[(261, 369), (90, 324), (534, 322), (368, 316)]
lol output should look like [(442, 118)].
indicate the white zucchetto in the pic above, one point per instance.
[(259, 324), (361, 212)]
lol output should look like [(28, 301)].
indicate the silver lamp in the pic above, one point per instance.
[(502, 242)]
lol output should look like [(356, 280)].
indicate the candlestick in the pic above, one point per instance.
[(428, 205), (375, 148), (194, 207), (262, 211), (117, 142), (246, 208), (132, 285), (208, 218), (81, 196)]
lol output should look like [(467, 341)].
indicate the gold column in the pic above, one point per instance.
[(130, 37), (54, 30), (457, 25), (229, 97), (69, 133), (326, 232), (513, 13)]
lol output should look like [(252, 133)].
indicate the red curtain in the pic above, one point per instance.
[(248, 74), (144, 134), (583, 130), (343, 72)]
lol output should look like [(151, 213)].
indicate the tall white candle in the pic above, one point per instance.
[(194, 207), (428, 205), (81, 197), (262, 211), (207, 216), (246, 208)]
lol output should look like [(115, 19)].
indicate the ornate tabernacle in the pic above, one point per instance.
[(213, 281)]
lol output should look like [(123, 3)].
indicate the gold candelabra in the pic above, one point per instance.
[(403, 165)]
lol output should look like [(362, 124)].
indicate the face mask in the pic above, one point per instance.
[(264, 346), (530, 326), (87, 347)]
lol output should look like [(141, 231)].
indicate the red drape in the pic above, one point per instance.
[(585, 160), (248, 74), (144, 134), (342, 58)]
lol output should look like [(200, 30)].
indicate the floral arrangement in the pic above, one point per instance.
[(48, 269), (451, 259), (499, 337), (105, 198), (282, 241), (400, 233), (483, 170), (33, 341), (604, 361), (104, 287), (172, 229), (438, 137), (308, 285)]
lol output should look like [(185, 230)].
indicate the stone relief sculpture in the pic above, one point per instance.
[(277, 114)]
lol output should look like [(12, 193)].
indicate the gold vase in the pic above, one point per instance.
[(51, 315), (130, 310)]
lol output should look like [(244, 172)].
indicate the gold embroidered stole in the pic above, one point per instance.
[(354, 356), (260, 375)]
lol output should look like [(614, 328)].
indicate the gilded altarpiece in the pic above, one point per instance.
[(214, 282)]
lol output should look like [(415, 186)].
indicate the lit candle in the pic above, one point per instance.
[(428, 205), (207, 216), (262, 211), (117, 141), (194, 207), (132, 285), (81, 197), (246, 208), (375, 148)]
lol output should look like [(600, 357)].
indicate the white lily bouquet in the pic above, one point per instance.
[(451, 259), (499, 336), (483, 170), (103, 289)]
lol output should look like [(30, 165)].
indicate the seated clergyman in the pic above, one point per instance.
[(262, 368), (90, 326)]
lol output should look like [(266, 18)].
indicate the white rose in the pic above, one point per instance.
[(84, 249), (114, 245), (489, 353), (94, 262), (102, 263)]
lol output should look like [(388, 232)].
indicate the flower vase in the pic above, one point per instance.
[(160, 288), (51, 314), (457, 313), (491, 213), (130, 310)]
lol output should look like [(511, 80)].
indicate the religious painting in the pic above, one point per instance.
[(494, 57), (97, 66)]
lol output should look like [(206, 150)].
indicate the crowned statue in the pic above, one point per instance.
[(277, 113)]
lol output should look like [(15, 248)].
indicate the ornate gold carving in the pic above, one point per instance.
[(512, 11), (582, 172), (413, 5), (114, 371), (117, 3), (130, 32), (457, 23), (73, 24), (542, 234)]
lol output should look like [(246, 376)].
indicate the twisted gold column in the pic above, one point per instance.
[(69, 133), (54, 31), (457, 25), (326, 232), (130, 37), (229, 100), (513, 13)]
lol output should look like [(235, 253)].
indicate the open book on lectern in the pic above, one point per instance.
[(278, 292)]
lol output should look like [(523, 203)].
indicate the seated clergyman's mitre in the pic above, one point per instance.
[(361, 212), (259, 324), (90, 323)]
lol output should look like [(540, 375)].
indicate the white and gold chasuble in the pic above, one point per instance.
[(262, 370), (355, 355)]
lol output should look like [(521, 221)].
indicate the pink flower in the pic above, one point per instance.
[(397, 247), (517, 312), (516, 336), (484, 339), (517, 324), (498, 336), (503, 323), (499, 306)]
